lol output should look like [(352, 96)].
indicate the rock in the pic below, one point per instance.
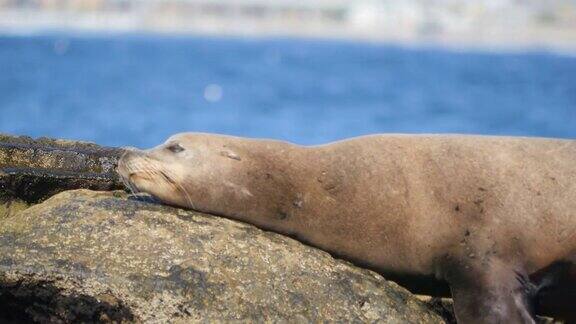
[(441, 305), (98, 256), (33, 170)]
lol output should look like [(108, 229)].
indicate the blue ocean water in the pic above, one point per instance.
[(137, 90)]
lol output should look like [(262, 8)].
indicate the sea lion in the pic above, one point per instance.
[(494, 217)]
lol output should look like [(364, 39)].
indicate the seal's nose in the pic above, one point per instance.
[(126, 156), (129, 152)]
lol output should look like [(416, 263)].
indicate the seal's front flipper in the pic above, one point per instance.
[(492, 293), (557, 291)]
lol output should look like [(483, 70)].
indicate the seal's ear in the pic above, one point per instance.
[(230, 154)]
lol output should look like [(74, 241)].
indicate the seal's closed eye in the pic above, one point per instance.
[(175, 148)]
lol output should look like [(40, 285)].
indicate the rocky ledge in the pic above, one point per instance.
[(86, 256)]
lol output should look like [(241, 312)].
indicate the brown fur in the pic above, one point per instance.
[(488, 215)]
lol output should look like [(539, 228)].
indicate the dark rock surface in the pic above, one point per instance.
[(32, 170), (97, 256)]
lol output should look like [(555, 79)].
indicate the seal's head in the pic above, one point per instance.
[(229, 176), (181, 171)]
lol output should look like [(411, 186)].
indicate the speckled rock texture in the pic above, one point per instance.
[(99, 256), (32, 170)]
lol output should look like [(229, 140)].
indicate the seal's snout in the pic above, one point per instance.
[(137, 164), (128, 154), (124, 163), (133, 169)]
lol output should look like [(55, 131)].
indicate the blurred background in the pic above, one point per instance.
[(133, 72)]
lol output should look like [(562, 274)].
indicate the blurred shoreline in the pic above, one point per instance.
[(493, 25)]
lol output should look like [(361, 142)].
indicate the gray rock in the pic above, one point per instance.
[(33, 170), (98, 256)]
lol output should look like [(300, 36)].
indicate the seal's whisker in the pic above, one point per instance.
[(126, 183), (187, 196), (132, 188), (178, 186), (151, 168), (135, 189), (129, 185)]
